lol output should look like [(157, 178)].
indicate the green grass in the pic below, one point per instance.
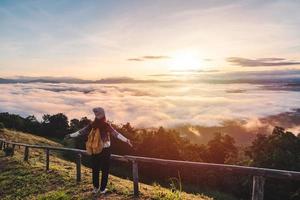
[(22, 180), (55, 195)]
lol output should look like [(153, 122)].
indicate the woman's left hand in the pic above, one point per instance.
[(67, 137)]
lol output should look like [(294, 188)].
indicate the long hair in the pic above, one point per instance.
[(102, 125)]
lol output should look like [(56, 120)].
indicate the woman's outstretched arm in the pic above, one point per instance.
[(118, 135), (84, 131)]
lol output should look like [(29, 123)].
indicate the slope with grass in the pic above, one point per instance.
[(29, 180)]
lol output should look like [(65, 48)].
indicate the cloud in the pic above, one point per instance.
[(183, 73), (285, 119), (261, 62), (148, 104), (145, 58), (196, 71), (156, 57), (135, 59)]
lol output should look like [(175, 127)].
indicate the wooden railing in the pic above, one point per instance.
[(259, 174)]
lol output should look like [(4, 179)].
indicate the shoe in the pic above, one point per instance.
[(95, 190), (103, 191)]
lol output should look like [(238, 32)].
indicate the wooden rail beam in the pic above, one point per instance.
[(258, 188), (254, 171)]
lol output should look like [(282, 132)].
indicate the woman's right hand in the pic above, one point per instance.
[(129, 143)]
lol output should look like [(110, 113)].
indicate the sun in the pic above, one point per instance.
[(182, 61)]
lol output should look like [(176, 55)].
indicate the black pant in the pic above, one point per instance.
[(101, 162)]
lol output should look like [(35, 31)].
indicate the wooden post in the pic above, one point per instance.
[(26, 153), (47, 159), (1, 145), (258, 188), (78, 168), (135, 177), (13, 149)]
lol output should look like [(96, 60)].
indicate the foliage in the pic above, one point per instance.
[(55, 125), (52, 126), (173, 194), (1, 126), (221, 149), (8, 151), (280, 150), (12, 121)]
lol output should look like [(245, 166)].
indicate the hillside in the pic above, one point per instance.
[(21, 180)]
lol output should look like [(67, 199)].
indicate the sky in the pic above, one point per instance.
[(136, 38)]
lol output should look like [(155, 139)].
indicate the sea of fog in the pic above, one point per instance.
[(149, 105)]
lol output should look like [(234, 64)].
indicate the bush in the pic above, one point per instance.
[(1, 126), (8, 151)]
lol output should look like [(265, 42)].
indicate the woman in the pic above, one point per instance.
[(98, 146)]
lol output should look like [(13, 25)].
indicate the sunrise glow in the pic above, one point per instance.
[(185, 60)]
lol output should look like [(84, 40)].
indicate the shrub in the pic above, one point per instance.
[(1, 126), (8, 151)]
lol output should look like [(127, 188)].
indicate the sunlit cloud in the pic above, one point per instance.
[(156, 57), (149, 105), (135, 59), (261, 62), (196, 71), (145, 58)]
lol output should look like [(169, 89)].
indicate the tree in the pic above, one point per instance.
[(55, 125), (194, 152), (12, 121), (160, 143), (84, 121), (32, 125), (280, 150), (221, 149), (74, 125)]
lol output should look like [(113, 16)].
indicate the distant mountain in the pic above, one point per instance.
[(49, 79), (288, 80), (117, 80), (2, 80)]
